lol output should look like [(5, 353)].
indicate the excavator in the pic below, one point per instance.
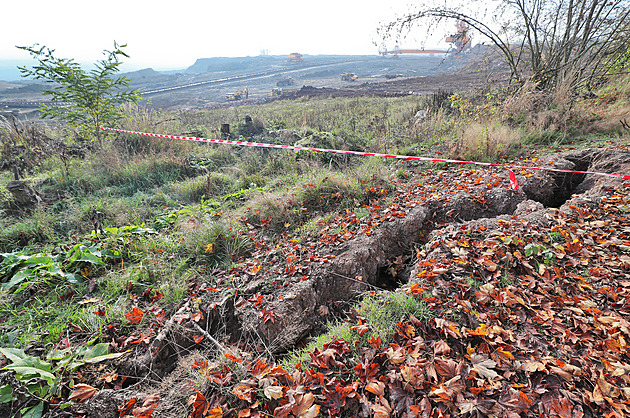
[(461, 40), (349, 76), (239, 95), (295, 57)]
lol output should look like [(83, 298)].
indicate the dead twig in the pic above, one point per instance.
[(210, 337)]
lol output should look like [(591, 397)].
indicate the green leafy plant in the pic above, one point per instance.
[(538, 249), (168, 219), (39, 380), (21, 269), (86, 100)]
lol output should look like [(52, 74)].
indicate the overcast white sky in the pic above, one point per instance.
[(172, 35)]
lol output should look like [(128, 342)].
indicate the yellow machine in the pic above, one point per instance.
[(239, 95), (275, 93), (349, 76)]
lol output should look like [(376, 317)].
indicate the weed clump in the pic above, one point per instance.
[(379, 313), (211, 242)]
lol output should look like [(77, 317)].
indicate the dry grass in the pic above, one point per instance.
[(523, 101), (142, 119), (609, 110), (538, 111), (485, 141)]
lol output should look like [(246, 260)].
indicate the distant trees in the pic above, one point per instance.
[(549, 41), (84, 99)]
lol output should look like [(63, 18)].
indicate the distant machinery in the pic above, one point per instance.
[(295, 57), (349, 76), (397, 51), (277, 92), (461, 40), (238, 95), (287, 81)]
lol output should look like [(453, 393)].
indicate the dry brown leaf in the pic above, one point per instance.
[(376, 387), (304, 407), (483, 366), (273, 392), (440, 348), (82, 392)]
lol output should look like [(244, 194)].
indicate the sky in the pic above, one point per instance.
[(172, 35)]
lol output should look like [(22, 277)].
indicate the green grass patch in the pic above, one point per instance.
[(381, 312)]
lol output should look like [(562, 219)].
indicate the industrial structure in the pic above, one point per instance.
[(461, 40), (461, 43), (295, 57)]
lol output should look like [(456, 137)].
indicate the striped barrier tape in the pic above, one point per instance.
[(513, 182)]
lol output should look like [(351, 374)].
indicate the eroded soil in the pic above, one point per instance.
[(528, 287)]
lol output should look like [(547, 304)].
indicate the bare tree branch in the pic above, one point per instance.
[(548, 41)]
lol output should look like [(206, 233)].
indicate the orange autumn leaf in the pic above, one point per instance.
[(375, 342), (124, 409), (481, 330), (145, 411), (415, 289), (135, 316), (260, 370), (215, 413), (244, 392), (376, 387), (361, 329), (232, 357), (200, 405), (198, 338), (476, 390), (273, 392), (440, 348), (304, 406)]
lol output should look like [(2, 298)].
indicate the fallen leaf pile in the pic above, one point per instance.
[(527, 321)]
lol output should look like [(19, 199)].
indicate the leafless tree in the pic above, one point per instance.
[(548, 41)]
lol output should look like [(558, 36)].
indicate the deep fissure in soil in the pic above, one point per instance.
[(384, 261)]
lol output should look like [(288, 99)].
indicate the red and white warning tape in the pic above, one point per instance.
[(513, 181)]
